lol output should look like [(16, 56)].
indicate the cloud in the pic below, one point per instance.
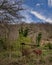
[(38, 4), (42, 17), (28, 17)]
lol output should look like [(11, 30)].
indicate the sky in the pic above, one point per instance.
[(38, 11)]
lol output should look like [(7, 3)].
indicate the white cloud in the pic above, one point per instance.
[(28, 18), (38, 4), (42, 17)]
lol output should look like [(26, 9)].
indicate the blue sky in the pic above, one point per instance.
[(37, 11)]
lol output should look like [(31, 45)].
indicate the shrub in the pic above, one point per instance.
[(50, 59), (23, 32), (49, 45), (38, 39), (2, 45)]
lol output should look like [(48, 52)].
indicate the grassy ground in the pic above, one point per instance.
[(16, 58)]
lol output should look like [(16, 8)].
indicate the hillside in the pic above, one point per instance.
[(34, 29), (16, 49)]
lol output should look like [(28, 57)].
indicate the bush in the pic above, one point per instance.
[(23, 32), (2, 45), (38, 39), (49, 45)]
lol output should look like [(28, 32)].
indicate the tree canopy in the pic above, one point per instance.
[(10, 11)]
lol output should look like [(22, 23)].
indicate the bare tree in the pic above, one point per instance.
[(10, 13), (10, 10)]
